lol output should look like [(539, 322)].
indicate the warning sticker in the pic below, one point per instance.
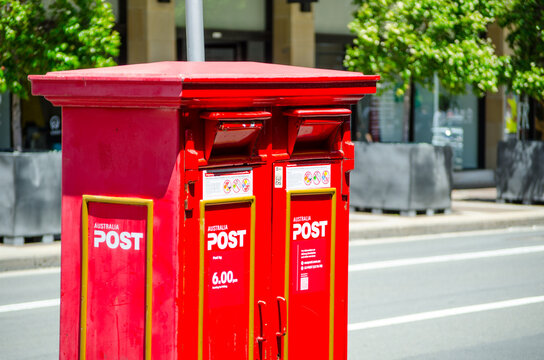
[(222, 184), (308, 177), (278, 177)]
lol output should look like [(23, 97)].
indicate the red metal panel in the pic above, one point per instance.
[(316, 291), (70, 280), (207, 72), (309, 300), (171, 84), (227, 323), (188, 339), (109, 152), (137, 131)]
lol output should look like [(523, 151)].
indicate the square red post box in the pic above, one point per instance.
[(204, 210)]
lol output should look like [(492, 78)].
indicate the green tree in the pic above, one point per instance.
[(524, 70), (69, 34), (409, 41)]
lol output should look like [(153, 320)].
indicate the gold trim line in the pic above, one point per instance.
[(306, 192), (203, 204), (85, 267)]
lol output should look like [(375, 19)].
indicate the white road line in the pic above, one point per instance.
[(445, 313), (30, 272), (445, 258), (29, 305), (443, 236)]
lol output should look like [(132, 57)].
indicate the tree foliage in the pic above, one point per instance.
[(69, 34), (524, 70), (411, 40)]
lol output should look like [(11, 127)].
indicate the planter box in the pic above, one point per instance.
[(402, 177), (520, 171), (30, 195)]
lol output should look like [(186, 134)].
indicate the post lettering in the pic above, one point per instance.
[(222, 240), (99, 237), (307, 230), (114, 240)]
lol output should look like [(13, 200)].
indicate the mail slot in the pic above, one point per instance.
[(232, 133), (204, 210), (315, 129)]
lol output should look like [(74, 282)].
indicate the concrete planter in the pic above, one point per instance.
[(30, 196), (520, 171), (402, 177)]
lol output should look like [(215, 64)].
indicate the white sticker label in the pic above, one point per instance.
[(278, 177), (221, 184), (308, 177)]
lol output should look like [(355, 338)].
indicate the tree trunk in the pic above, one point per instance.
[(17, 133), (407, 114)]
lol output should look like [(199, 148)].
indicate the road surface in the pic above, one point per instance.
[(473, 295)]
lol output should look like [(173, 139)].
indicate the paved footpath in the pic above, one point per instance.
[(29, 256), (471, 210)]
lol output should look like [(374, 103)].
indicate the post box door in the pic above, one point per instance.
[(304, 259), (227, 266), (116, 278)]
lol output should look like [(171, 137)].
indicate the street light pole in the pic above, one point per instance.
[(194, 30)]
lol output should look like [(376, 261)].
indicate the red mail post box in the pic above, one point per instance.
[(204, 210)]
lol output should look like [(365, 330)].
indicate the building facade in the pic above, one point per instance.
[(279, 32)]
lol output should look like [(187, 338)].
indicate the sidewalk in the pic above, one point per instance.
[(474, 209), (471, 210), (29, 256)]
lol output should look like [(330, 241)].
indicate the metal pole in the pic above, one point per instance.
[(194, 30)]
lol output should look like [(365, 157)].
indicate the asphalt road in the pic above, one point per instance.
[(464, 297), (29, 330), (474, 296)]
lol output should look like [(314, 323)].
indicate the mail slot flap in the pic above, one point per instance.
[(314, 129), (232, 133)]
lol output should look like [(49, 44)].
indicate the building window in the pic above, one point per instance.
[(241, 15), (438, 118), (523, 120), (445, 119), (333, 16), (41, 125)]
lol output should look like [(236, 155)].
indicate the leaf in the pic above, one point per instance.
[(68, 35), (414, 39)]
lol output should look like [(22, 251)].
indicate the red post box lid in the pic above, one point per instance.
[(199, 84)]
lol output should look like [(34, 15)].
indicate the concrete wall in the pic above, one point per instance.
[(401, 177), (520, 171), (31, 194), (151, 31), (494, 126), (293, 35), (495, 103)]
